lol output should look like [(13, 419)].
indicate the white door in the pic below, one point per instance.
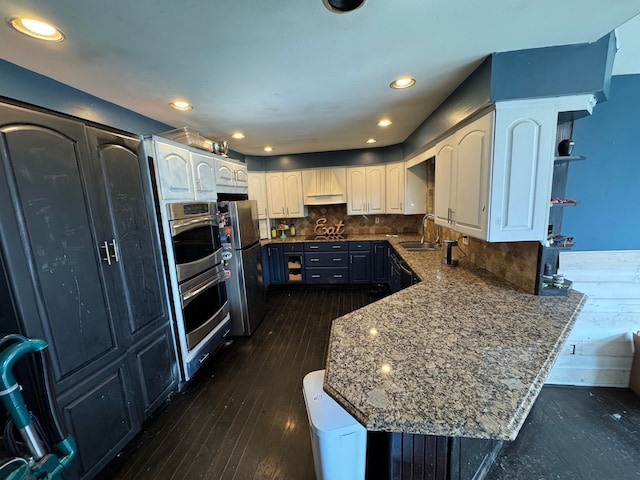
[(174, 172), (473, 158), (376, 189), (294, 199), (356, 191), (394, 178), (241, 176), (203, 176), (444, 181), (275, 195), (258, 192), (224, 173)]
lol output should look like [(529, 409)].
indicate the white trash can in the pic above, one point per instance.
[(339, 441)]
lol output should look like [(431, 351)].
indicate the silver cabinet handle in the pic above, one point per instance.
[(337, 259), (337, 275), (315, 276), (401, 206), (338, 247), (265, 212), (314, 247), (115, 255), (314, 259), (198, 186), (107, 257), (203, 358)]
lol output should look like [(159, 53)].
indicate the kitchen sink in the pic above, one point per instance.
[(417, 246)]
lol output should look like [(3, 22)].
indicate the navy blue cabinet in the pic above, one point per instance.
[(360, 262), (274, 262), (380, 262), (80, 252)]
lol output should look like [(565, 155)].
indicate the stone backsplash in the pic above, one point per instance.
[(354, 224)]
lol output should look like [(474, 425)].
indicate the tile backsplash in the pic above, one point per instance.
[(355, 224)]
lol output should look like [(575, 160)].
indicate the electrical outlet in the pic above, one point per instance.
[(377, 220), (465, 240)]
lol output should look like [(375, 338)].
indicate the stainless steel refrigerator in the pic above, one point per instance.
[(243, 258)]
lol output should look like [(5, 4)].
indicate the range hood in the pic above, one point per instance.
[(324, 186)]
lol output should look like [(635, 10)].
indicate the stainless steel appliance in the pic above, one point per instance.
[(202, 308), (242, 252)]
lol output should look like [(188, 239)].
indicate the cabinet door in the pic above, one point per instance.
[(60, 261), (100, 415), (204, 176), (444, 181), (275, 263), (473, 159), (360, 267), (133, 239), (356, 191), (394, 179), (241, 176), (380, 262), (275, 195), (174, 171), (258, 192), (375, 189), (522, 171), (294, 200), (224, 173)]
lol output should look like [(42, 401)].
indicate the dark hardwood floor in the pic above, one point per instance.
[(243, 415)]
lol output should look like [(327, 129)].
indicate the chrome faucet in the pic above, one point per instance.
[(431, 216)]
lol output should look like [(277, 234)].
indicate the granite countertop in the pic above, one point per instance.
[(463, 353)]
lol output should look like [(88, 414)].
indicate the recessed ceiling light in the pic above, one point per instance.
[(237, 135), (342, 6), (384, 122), (37, 29), (268, 149), (180, 105), (370, 140), (403, 82)]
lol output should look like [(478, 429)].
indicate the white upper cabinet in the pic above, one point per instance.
[(366, 190), (284, 194), (258, 192), (231, 175), (182, 172), (493, 176), (203, 176), (394, 178)]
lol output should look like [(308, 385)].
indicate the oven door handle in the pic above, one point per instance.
[(179, 227), (201, 288)]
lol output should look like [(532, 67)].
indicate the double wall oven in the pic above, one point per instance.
[(202, 315)]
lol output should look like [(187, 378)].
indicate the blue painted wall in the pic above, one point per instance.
[(607, 183), (553, 71), (30, 87), (368, 156), (471, 95)]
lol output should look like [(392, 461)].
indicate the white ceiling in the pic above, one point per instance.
[(290, 73)]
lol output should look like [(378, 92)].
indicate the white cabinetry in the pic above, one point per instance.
[(284, 194), (394, 187), (182, 173), (366, 190), (493, 178), (231, 175), (258, 192)]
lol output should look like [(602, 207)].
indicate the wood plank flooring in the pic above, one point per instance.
[(243, 415)]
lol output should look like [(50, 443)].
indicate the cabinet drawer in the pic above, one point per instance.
[(327, 275), (359, 246), (292, 247), (325, 246), (326, 259)]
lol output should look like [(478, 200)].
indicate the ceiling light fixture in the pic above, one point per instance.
[(342, 6), (370, 140), (268, 149), (37, 29), (402, 82), (384, 122), (238, 135), (181, 105)]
